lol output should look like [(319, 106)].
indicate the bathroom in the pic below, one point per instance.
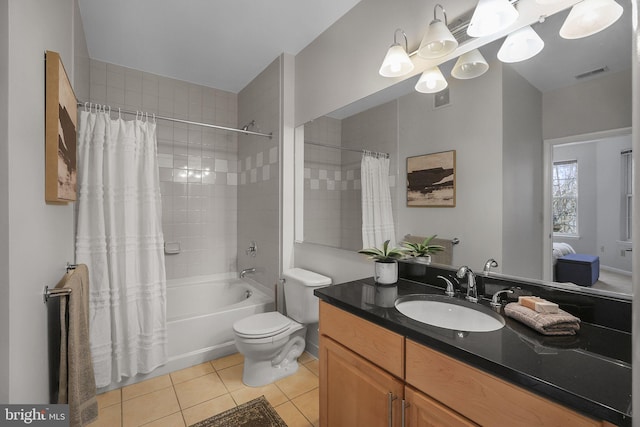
[(47, 237)]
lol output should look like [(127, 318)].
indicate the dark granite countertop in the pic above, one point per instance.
[(589, 372)]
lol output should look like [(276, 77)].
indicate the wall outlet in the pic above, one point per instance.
[(601, 248)]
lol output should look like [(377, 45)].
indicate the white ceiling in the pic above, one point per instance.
[(217, 43)]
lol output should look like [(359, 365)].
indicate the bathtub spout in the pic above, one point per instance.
[(246, 271)]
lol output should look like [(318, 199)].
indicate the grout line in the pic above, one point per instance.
[(229, 393)]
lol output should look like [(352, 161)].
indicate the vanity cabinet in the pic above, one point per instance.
[(422, 411), (361, 371), (371, 376), (357, 392)]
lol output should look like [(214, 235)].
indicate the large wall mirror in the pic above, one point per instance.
[(515, 129)]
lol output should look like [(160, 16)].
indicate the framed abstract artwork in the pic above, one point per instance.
[(61, 113), (431, 180)]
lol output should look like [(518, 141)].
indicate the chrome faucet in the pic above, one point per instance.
[(495, 300), (489, 264), (246, 271), (450, 291), (472, 291)]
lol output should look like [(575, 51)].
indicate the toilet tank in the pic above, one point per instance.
[(299, 284)]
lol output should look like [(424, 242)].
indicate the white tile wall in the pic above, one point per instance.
[(198, 173), (333, 212), (258, 180)]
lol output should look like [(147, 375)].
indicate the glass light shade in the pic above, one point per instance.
[(520, 45), (491, 16), (589, 17), (431, 81), (396, 63), (470, 65), (437, 41)]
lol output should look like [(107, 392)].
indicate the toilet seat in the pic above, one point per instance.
[(262, 325)]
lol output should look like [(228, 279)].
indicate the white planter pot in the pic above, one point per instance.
[(423, 259), (386, 273)]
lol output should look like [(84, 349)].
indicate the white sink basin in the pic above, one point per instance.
[(449, 313)]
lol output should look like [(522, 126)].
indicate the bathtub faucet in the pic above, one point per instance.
[(246, 271)]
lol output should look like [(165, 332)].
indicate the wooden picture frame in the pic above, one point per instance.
[(431, 180), (61, 116)]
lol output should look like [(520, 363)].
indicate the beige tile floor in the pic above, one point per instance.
[(190, 395)]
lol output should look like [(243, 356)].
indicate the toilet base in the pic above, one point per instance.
[(257, 373), (261, 372)]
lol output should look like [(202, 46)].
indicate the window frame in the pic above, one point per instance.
[(576, 232)]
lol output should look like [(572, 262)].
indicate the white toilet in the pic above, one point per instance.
[(271, 342)]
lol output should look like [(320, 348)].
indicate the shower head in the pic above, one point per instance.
[(248, 125)]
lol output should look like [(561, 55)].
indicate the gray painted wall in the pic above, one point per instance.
[(40, 244), (471, 125), (522, 218), (591, 106), (5, 301)]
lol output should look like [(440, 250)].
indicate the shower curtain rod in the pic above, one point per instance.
[(188, 122), (357, 150)]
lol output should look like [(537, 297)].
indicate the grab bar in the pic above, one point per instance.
[(57, 292)]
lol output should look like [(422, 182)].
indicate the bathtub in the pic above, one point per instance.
[(200, 316), (201, 313)]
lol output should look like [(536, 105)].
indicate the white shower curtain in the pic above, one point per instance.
[(119, 237), (377, 213)]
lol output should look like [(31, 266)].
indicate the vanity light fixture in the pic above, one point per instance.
[(589, 17), (470, 65), (397, 62), (431, 81), (490, 17), (520, 45), (438, 40)]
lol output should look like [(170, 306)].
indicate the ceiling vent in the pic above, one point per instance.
[(592, 73)]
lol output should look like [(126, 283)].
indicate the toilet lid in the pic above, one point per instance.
[(262, 325)]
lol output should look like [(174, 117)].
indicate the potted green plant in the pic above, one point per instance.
[(421, 252), (386, 262)]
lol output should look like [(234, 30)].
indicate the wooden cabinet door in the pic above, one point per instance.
[(354, 392), (422, 411)]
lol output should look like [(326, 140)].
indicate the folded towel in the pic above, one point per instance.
[(77, 385), (560, 323)]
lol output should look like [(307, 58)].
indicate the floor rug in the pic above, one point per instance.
[(255, 413)]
